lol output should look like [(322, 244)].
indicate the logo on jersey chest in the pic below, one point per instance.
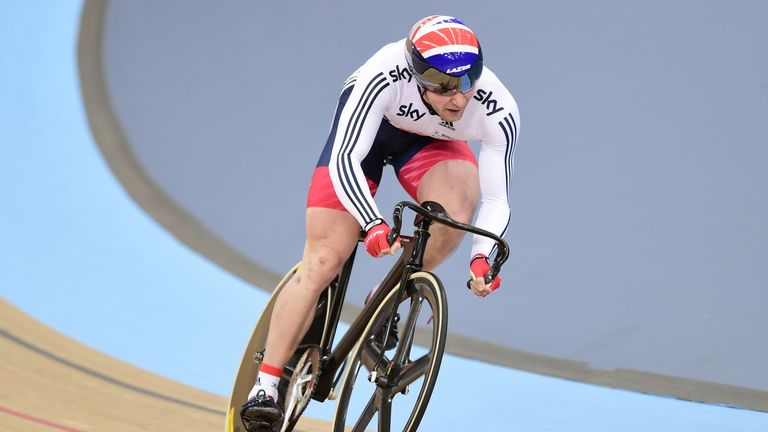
[(410, 112), (398, 74), (490, 104), (447, 125)]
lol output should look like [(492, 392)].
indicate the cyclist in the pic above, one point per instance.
[(414, 105)]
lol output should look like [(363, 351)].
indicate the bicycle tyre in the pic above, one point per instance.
[(251, 361), (423, 286)]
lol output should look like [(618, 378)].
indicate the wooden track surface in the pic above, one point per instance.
[(49, 382)]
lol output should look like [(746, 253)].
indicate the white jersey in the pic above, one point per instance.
[(384, 88)]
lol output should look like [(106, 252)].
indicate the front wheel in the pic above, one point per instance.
[(394, 386)]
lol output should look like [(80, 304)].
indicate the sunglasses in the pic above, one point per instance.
[(441, 83)]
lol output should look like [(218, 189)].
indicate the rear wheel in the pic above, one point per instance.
[(295, 392), (390, 389)]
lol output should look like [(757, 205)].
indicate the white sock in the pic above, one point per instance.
[(265, 382)]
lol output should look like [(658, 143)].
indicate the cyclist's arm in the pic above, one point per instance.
[(496, 162), (360, 120)]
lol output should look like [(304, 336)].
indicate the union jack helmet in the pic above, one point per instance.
[(444, 55)]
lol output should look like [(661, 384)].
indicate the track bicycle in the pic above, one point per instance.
[(394, 356)]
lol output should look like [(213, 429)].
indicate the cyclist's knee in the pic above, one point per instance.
[(445, 240), (442, 244), (448, 239), (463, 210), (331, 237), (320, 265)]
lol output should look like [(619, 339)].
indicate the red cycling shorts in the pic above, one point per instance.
[(410, 167)]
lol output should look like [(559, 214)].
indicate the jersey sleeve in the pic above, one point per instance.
[(495, 165), (358, 124)]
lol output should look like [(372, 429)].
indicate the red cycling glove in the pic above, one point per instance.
[(376, 239), (480, 267)]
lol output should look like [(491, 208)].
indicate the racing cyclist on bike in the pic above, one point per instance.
[(414, 105)]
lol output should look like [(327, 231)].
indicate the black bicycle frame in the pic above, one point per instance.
[(410, 261), (332, 360)]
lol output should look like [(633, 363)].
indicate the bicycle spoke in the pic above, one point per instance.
[(404, 348), (367, 414), (398, 368), (411, 372)]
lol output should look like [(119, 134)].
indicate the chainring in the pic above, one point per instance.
[(301, 386)]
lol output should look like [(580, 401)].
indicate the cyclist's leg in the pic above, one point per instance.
[(331, 236), (455, 185), (332, 233), (444, 172)]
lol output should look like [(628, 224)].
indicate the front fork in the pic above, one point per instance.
[(415, 263)]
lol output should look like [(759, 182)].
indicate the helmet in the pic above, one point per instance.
[(444, 55)]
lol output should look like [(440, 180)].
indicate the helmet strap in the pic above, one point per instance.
[(422, 91)]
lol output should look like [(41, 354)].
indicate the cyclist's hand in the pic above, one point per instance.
[(376, 241), (479, 267)]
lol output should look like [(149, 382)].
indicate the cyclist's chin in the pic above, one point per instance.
[(451, 115)]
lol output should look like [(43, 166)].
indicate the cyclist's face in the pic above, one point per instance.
[(449, 108)]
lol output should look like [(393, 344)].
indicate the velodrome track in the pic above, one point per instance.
[(51, 382), (76, 254)]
